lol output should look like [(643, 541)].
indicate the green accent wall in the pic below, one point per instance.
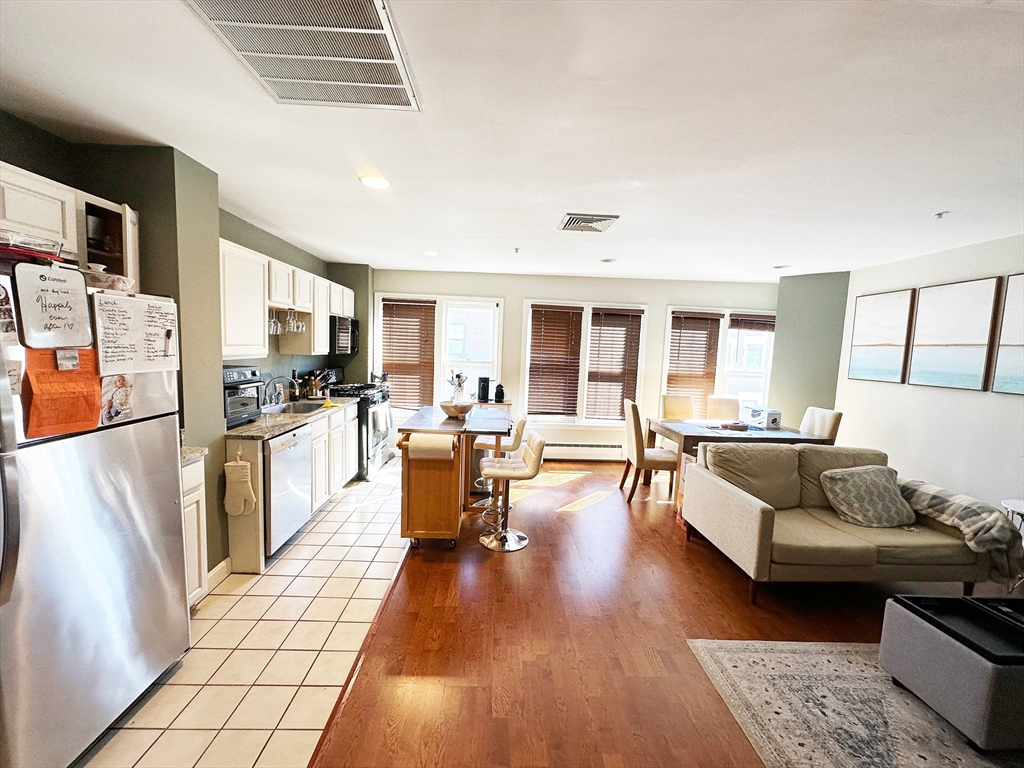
[(358, 277), (809, 321), (33, 149)]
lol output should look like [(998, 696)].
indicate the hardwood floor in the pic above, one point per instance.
[(572, 652)]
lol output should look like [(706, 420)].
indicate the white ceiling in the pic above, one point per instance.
[(729, 136)]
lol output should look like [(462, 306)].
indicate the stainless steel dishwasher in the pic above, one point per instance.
[(288, 465)]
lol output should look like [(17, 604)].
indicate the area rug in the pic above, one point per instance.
[(829, 705)]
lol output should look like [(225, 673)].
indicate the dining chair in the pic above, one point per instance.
[(676, 407), (821, 422), (643, 458), (723, 407)]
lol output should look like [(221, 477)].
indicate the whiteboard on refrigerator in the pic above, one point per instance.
[(135, 334)]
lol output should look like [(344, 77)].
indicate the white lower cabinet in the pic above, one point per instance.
[(193, 504), (321, 464), (343, 445), (351, 448)]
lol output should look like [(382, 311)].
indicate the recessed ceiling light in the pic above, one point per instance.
[(430, 253), (375, 182), (608, 261), (782, 266)]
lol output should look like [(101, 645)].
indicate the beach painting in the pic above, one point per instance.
[(879, 347), (1009, 375), (951, 334)]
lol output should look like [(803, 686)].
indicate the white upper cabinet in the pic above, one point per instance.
[(33, 205), (302, 291), (282, 285), (337, 299), (315, 340), (349, 307), (243, 285)]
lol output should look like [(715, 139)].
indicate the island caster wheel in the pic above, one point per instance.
[(452, 543), (414, 543)]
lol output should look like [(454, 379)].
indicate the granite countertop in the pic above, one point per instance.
[(479, 421), (273, 424), (190, 454)]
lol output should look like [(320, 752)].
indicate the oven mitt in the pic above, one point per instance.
[(238, 496)]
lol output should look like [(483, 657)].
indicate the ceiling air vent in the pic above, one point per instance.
[(323, 52), (586, 222)]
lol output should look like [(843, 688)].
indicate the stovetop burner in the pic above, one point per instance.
[(372, 393)]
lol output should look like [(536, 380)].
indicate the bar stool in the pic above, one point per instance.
[(508, 446), (506, 539)]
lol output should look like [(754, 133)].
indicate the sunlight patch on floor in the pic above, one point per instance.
[(585, 502), (518, 494), (551, 479)]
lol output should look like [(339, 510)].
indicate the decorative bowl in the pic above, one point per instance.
[(456, 410)]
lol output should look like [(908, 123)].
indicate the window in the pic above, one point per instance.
[(613, 361), (407, 342), (554, 372), (693, 357), (471, 343), (748, 358)]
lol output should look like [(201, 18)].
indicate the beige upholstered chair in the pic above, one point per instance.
[(509, 445), (677, 407), (724, 408), (503, 470), (641, 457), (821, 422)]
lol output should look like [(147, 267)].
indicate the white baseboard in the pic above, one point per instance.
[(583, 452), (219, 572)]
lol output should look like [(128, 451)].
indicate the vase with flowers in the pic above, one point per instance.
[(458, 382)]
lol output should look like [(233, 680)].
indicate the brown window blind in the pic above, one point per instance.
[(752, 323), (407, 334), (614, 359), (555, 334), (693, 357)]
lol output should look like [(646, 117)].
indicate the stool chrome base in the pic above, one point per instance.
[(508, 540)]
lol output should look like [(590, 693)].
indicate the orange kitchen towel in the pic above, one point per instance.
[(60, 402)]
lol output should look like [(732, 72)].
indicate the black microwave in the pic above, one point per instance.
[(344, 335)]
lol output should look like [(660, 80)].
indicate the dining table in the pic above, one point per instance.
[(687, 434)]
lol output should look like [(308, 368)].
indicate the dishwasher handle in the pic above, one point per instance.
[(289, 440)]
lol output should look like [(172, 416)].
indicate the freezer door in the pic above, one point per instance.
[(98, 609)]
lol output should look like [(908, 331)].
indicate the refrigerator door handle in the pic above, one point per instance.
[(10, 526)]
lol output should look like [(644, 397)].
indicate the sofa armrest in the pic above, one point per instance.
[(739, 524)]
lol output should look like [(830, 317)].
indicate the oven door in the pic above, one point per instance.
[(378, 429), (242, 403)]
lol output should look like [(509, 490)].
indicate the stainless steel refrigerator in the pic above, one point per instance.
[(93, 605)]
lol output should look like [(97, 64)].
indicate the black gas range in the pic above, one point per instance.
[(374, 424)]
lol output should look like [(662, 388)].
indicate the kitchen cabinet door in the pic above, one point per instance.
[(321, 316), (337, 299), (321, 491), (351, 449), (302, 290), (336, 458), (130, 237), (243, 286), (34, 205), (193, 504), (349, 302), (281, 285)]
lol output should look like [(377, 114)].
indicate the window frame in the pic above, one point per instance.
[(723, 345), (588, 307), (440, 333)]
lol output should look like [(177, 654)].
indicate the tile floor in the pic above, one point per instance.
[(270, 653)]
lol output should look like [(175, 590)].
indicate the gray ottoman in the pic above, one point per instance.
[(961, 659)]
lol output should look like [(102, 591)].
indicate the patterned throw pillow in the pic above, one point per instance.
[(867, 496)]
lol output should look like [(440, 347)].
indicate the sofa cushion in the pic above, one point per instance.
[(914, 545), (767, 472), (800, 539), (867, 496), (815, 459)]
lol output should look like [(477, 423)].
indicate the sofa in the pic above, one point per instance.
[(764, 507)]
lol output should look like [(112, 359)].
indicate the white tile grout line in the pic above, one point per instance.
[(253, 589)]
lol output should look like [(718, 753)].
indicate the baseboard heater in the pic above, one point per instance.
[(592, 451)]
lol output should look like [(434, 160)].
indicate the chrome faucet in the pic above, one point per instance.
[(279, 393)]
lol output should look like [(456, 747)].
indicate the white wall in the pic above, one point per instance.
[(970, 442), (658, 295)]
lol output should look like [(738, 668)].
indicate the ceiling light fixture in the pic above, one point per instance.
[(608, 261), (782, 266), (941, 214), (430, 253), (375, 182)]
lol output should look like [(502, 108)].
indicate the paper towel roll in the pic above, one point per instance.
[(431, 447)]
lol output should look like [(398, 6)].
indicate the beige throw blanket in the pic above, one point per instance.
[(985, 528)]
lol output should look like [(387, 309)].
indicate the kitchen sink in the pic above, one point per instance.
[(299, 407)]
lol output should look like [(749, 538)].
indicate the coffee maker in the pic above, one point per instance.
[(483, 389)]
